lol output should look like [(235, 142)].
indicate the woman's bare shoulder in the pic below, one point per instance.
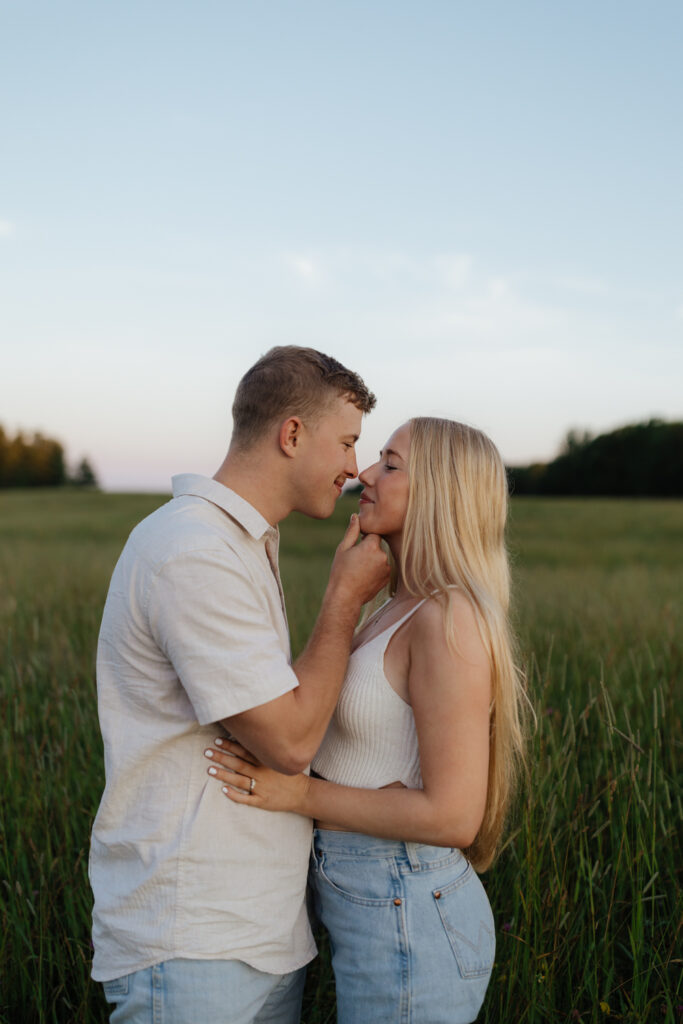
[(429, 632)]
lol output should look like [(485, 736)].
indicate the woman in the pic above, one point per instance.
[(417, 766)]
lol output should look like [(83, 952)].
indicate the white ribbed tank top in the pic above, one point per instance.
[(371, 739)]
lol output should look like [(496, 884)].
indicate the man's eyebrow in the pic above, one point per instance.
[(391, 451)]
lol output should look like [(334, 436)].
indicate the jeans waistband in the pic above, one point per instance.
[(356, 844)]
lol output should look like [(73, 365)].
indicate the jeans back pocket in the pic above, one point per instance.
[(467, 919)]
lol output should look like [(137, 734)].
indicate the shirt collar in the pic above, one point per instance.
[(240, 510)]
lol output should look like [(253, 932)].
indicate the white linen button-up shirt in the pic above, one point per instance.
[(193, 631)]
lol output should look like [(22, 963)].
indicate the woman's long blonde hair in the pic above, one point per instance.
[(454, 537)]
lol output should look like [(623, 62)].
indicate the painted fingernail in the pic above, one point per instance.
[(225, 790), (208, 753), (213, 771), (218, 741)]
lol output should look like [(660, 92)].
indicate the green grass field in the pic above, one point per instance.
[(585, 891)]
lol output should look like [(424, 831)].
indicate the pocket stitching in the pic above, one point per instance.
[(363, 901), (474, 972), (457, 882)]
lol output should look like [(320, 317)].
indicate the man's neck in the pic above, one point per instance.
[(246, 478)]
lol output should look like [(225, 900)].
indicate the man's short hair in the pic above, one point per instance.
[(290, 380)]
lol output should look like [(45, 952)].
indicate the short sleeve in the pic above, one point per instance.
[(213, 623)]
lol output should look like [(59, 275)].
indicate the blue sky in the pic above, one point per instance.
[(477, 207)]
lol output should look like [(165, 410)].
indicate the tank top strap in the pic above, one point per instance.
[(390, 630)]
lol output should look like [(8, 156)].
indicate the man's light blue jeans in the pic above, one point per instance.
[(205, 992)]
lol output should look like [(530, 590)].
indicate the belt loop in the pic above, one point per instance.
[(411, 854)]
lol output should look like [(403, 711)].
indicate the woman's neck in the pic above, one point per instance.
[(402, 591)]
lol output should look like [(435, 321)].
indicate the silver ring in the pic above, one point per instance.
[(252, 785)]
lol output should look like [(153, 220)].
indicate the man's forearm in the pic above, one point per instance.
[(286, 732), (321, 666)]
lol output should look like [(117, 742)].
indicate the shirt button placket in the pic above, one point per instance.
[(272, 545)]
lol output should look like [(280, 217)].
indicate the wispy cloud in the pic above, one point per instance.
[(6, 229), (582, 285), (306, 268), (430, 298), (455, 270)]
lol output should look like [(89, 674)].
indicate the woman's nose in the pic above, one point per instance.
[(366, 476)]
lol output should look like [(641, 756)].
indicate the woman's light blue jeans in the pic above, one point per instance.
[(411, 929)]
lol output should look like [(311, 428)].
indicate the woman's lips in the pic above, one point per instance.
[(365, 501)]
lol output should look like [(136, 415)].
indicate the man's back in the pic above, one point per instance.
[(193, 632)]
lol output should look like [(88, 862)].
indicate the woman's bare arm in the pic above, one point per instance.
[(450, 695)]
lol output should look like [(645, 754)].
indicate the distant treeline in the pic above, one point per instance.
[(38, 461), (642, 460)]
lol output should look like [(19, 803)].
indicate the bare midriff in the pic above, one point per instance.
[(338, 828)]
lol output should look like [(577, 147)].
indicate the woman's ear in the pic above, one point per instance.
[(290, 436)]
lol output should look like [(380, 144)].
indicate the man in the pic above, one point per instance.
[(199, 903)]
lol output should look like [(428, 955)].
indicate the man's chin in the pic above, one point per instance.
[(321, 510)]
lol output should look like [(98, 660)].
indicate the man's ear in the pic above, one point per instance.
[(290, 436)]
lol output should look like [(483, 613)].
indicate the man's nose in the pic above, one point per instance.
[(352, 468)]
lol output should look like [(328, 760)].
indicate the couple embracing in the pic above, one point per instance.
[(210, 822)]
